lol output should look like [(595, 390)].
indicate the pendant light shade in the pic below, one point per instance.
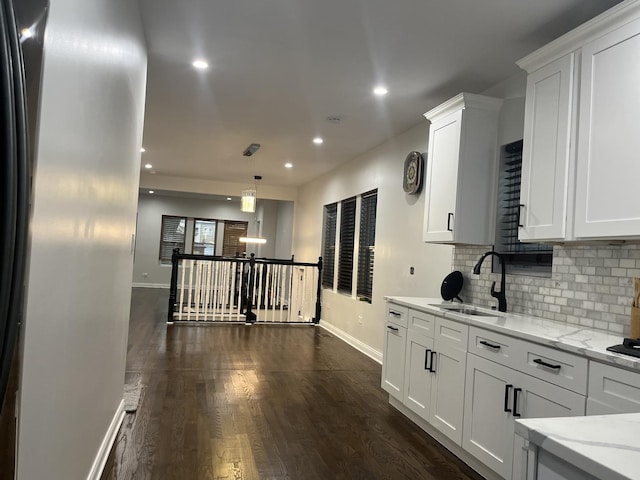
[(248, 201), (250, 197)]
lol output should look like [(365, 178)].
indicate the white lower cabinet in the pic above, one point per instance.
[(495, 396), (447, 391), (471, 384), (417, 386), (395, 343), (434, 374), (488, 413)]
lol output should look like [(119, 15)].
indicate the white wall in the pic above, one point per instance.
[(284, 231), (152, 207), (85, 193), (398, 235)]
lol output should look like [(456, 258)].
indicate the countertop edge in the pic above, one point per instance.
[(423, 304)]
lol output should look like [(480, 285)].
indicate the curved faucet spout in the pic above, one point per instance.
[(500, 296)]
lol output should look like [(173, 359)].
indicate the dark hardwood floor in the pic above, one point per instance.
[(262, 402)]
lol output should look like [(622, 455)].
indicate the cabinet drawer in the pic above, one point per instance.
[(614, 387), (451, 333), (422, 323), (494, 346), (397, 314), (555, 366)]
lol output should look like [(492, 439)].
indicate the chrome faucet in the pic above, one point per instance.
[(502, 299)]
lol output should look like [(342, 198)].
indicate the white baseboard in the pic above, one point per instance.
[(107, 442), (353, 341), (150, 285)]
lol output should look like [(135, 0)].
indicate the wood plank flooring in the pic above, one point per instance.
[(262, 402)]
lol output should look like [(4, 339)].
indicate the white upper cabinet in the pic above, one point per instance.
[(461, 171), (608, 166), (580, 166), (545, 159)]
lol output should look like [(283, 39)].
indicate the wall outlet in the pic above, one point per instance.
[(145, 274)]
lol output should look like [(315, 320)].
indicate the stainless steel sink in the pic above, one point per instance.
[(465, 310)]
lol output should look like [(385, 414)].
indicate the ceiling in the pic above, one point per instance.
[(282, 72)]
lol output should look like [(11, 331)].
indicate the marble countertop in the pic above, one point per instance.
[(563, 336), (605, 446)]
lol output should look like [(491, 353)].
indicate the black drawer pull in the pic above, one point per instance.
[(449, 217), (426, 359), (520, 225), (506, 398), (395, 329), (395, 314), (548, 365), (490, 345), (515, 402), (432, 367)]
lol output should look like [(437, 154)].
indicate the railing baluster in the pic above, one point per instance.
[(181, 304)]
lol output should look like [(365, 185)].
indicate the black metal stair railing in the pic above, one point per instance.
[(207, 288)]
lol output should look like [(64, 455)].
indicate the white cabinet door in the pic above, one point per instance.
[(417, 383), (545, 162), (447, 391), (393, 360), (608, 141), (442, 178), (488, 424)]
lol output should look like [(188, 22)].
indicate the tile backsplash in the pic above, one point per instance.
[(590, 285)]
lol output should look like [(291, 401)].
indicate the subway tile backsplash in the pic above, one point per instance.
[(589, 286)]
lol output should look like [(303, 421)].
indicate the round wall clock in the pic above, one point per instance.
[(412, 180)]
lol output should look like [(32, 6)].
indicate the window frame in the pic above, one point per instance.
[(366, 245), (193, 233), (346, 245), (180, 245), (347, 259)]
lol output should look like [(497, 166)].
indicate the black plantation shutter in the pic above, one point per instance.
[(171, 236), (366, 244), (329, 244), (231, 246), (347, 236), (518, 255)]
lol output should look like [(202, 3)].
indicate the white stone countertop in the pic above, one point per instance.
[(605, 446), (563, 336)]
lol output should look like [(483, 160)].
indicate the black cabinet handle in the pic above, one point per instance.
[(516, 391), (490, 345), (426, 358), (506, 398), (395, 329), (449, 217), (394, 314), (432, 368), (518, 220), (539, 361)]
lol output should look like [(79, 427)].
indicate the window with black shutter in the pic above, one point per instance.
[(172, 235), (329, 244), (520, 258), (366, 245), (345, 249)]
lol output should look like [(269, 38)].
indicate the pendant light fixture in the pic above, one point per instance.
[(250, 197)]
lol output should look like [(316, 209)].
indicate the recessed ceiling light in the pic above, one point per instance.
[(228, 198), (142, 150), (26, 33), (151, 192), (288, 165), (200, 64), (318, 141), (380, 91), (148, 166)]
